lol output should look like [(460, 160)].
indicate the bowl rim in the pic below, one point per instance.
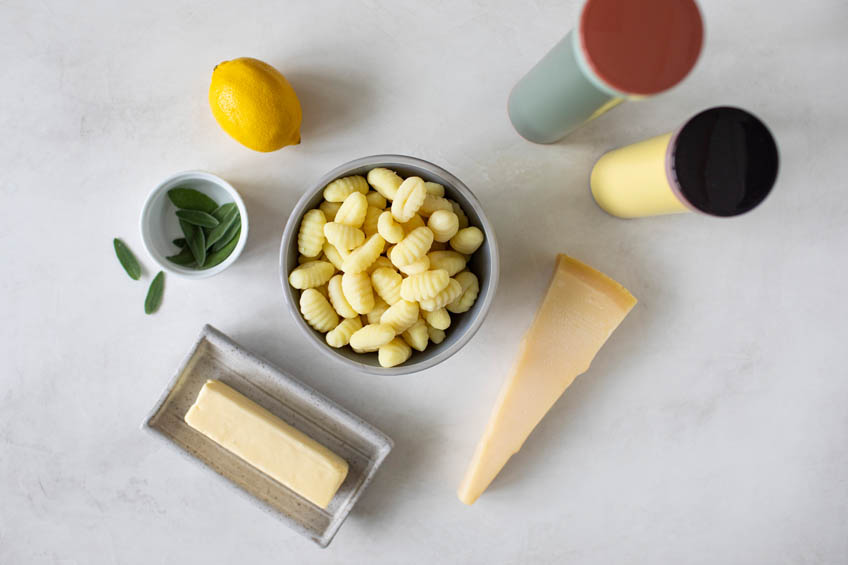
[(388, 160), (169, 183)]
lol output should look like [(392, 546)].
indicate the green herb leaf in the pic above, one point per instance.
[(217, 257), (196, 240), (184, 258), (198, 218), (154, 293), (223, 209), (180, 242), (127, 259), (190, 199), (228, 237), (224, 225)]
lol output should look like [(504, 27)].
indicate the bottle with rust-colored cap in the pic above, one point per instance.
[(621, 49)]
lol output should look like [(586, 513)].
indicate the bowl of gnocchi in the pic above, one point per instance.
[(389, 264)]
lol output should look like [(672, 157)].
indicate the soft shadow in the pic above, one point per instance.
[(403, 470), (268, 207), (331, 102), (618, 248), (625, 124)]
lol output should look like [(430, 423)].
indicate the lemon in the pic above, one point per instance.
[(254, 103)]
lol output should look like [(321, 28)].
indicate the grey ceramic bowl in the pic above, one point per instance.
[(484, 263)]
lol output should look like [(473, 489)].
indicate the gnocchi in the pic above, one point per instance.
[(438, 319), (330, 209), (372, 216), (340, 335), (408, 199), (383, 264), (445, 297), (389, 228), (434, 188), (304, 259), (432, 203), (340, 189), (369, 338), (376, 200), (467, 240), (470, 289), (444, 224), (450, 261), (460, 213), (416, 222), (361, 258), (412, 247), (310, 237), (311, 274), (400, 315), (352, 211), (356, 288), (324, 289), (380, 306), (387, 283), (385, 181), (436, 336), (417, 336), (338, 300), (317, 311), (424, 285), (393, 353), (419, 266), (334, 256), (342, 236)]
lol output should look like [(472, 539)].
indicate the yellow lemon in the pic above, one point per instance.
[(254, 103)]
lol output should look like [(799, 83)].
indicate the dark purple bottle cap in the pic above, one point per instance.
[(723, 162)]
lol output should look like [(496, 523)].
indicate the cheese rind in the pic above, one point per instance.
[(263, 440), (581, 309)]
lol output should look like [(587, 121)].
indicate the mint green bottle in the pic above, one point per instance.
[(621, 49)]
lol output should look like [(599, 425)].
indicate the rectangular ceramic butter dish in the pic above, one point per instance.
[(215, 356)]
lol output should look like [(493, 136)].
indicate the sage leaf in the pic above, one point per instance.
[(190, 199), (184, 258), (127, 259), (180, 242), (228, 237), (222, 227), (196, 240), (154, 293), (223, 209), (217, 257), (198, 218)]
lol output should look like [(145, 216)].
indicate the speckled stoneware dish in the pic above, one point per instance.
[(484, 263), (215, 356)]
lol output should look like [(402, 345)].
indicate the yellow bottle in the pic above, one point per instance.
[(722, 162), (631, 181)]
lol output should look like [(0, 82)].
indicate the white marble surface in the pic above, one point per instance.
[(713, 428)]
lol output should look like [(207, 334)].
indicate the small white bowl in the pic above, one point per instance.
[(159, 224)]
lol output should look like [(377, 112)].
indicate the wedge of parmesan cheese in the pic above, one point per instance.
[(581, 309)]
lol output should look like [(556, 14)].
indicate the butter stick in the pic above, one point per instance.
[(263, 440)]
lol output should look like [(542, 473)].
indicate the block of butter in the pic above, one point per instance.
[(578, 314), (282, 452)]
